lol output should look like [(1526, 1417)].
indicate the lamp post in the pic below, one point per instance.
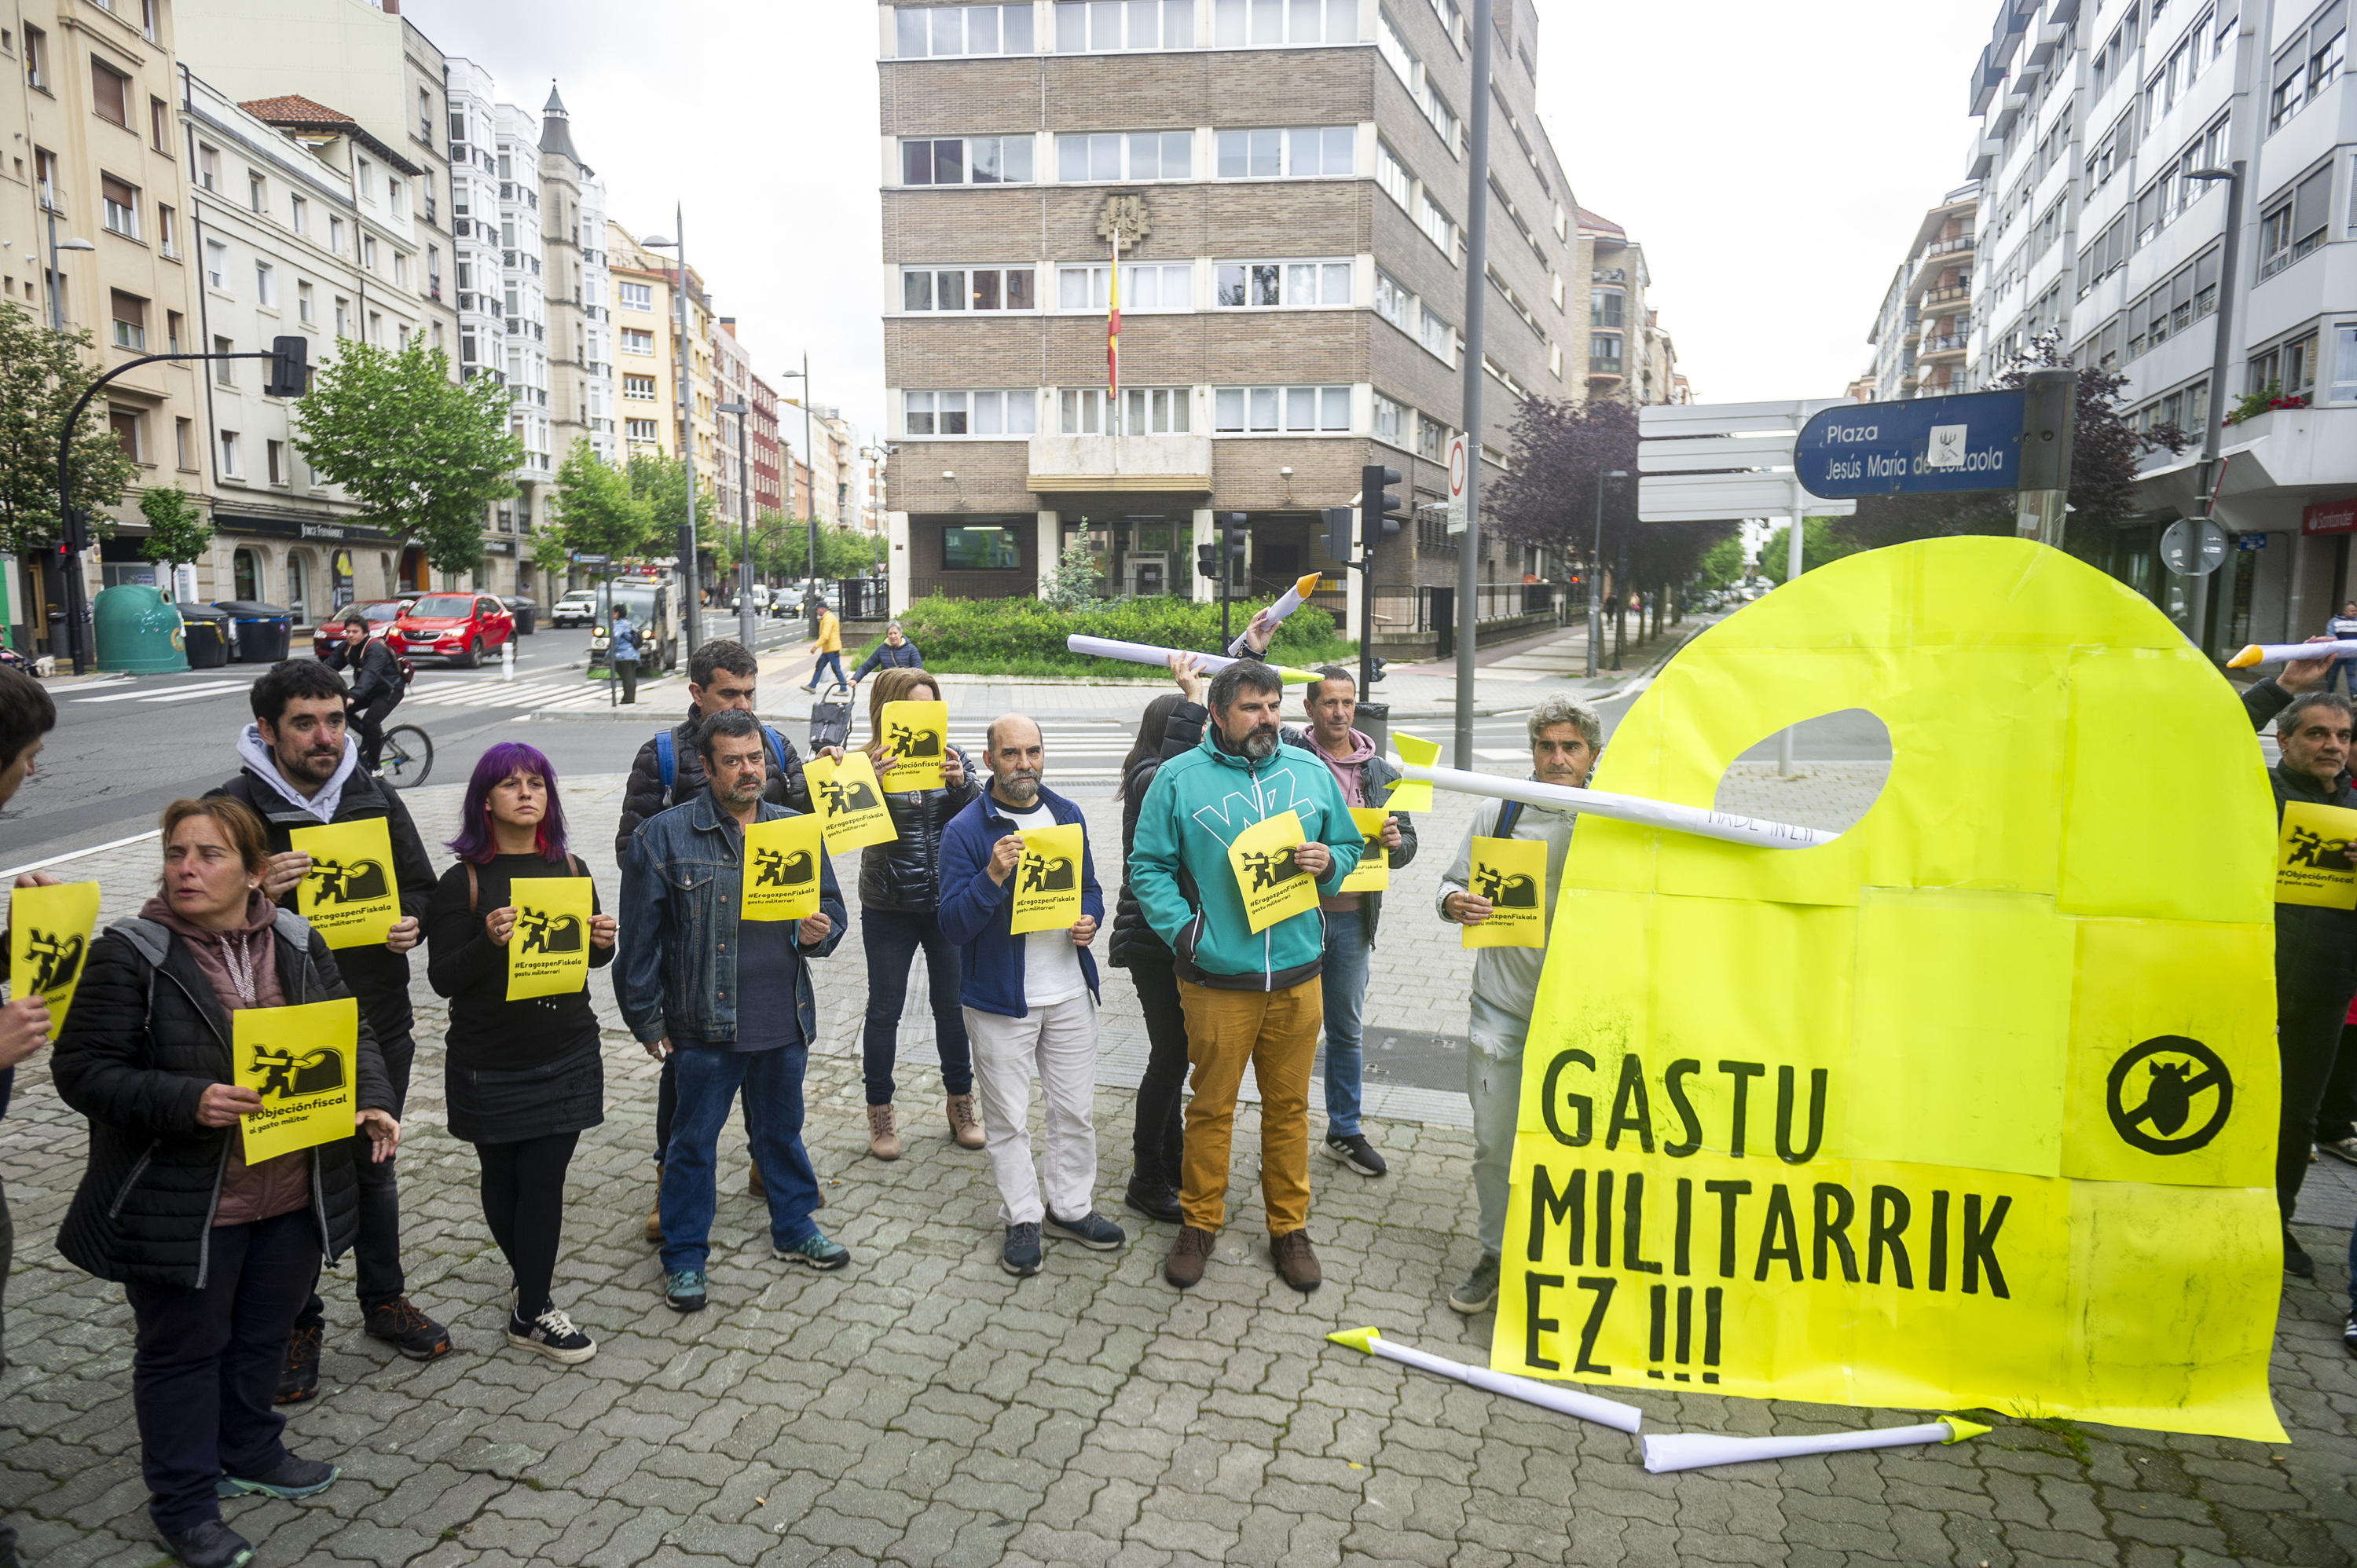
[(70, 530), (1595, 569), (810, 462), (690, 573), (745, 632), (2223, 344), (880, 456)]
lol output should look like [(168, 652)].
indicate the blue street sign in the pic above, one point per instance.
[(1924, 446), (2249, 542)]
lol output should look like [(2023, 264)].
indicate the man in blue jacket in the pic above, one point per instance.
[(729, 1001), (1030, 1001)]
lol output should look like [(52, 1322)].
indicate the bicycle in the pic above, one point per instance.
[(407, 757)]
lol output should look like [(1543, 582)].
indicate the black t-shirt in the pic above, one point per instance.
[(487, 1030)]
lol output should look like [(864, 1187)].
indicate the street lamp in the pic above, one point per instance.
[(69, 530), (810, 463), (74, 243), (882, 456), (745, 513), (2206, 474), (1595, 569), (686, 543)]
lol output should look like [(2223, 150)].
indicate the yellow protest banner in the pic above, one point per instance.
[(2313, 864), (548, 951), (916, 737), (1974, 1105), (349, 895), (1274, 887), (301, 1060), (48, 937), (1048, 878), (850, 799), (1413, 794), (1512, 874), (782, 881), (1374, 872)]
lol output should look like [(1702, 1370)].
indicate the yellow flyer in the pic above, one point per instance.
[(1374, 872), (916, 736), (48, 936), (2313, 864), (1273, 887), (781, 869), (301, 1060), (1512, 874), (850, 799), (1048, 878), (1413, 794), (548, 951), (349, 896)]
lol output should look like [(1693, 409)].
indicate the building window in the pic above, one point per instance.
[(634, 296), (257, 192), (1145, 285), (1267, 24), (368, 252), (1253, 286), (365, 174), (963, 30), (966, 160), (343, 316), (639, 430), (37, 59), (635, 341), (640, 387), (1133, 25), (1391, 300), (1114, 155), (216, 265), (967, 288), (1273, 410), (304, 302), (44, 172), (1015, 412), (1603, 355), (393, 196), (1392, 176), (1439, 336), (173, 333), (467, 346), (1604, 306), (1141, 411), (336, 235), (110, 92), (184, 442), (299, 215), (1301, 152), (121, 205), (229, 457), (1438, 225), (1391, 421), (130, 313), (1410, 72), (159, 125), (1432, 439), (425, 116), (274, 457), (980, 550), (265, 283)]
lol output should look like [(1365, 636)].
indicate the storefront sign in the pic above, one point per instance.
[(2330, 517), (297, 528)]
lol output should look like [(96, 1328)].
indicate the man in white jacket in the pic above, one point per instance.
[(1565, 735)]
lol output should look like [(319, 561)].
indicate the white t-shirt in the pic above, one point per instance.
[(1052, 965)]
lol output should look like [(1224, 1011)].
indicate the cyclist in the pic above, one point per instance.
[(378, 682)]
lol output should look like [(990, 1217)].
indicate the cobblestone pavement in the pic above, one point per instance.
[(922, 1407)]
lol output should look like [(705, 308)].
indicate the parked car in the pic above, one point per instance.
[(460, 628), (761, 600), (525, 610), (578, 607), (329, 634)]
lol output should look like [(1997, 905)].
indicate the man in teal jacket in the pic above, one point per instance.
[(1248, 995)]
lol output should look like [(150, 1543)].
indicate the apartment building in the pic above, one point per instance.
[(732, 379), (768, 450), (1629, 355), (97, 151), (648, 359), (577, 291), (1290, 181), (2095, 117), (823, 475), (1920, 334)]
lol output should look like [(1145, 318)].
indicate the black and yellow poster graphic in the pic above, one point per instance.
[(301, 1060), (2313, 860), (1512, 874), (349, 895), (781, 869), (48, 937), (916, 738), (548, 949), (1272, 882), (1374, 872), (850, 801), (1047, 880)]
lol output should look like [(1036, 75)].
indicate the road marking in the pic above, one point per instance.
[(1495, 754), (78, 854), (148, 695)]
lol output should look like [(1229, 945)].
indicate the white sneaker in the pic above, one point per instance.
[(552, 1334)]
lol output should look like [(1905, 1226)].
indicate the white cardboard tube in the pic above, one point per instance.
[(2284, 653), (1146, 653), (1530, 1391), (1286, 603), (1725, 826), (1670, 1451)]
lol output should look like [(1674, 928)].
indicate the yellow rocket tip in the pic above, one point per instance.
[(1959, 1428), (1359, 1339), (2244, 659), (1307, 584), (1293, 677), (1412, 749)]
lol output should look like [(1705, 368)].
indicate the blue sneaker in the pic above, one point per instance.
[(1092, 1230), (1020, 1256), (816, 1252), (683, 1290), (291, 1479)]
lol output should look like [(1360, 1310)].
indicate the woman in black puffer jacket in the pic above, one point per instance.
[(216, 1253)]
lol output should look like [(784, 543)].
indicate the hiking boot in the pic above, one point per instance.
[(1184, 1266), (209, 1543), (2295, 1258), (300, 1380), (406, 1329), (1480, 1291), (293, 1478), (753, 1180), (1092, 1230), (1154, 1200), (964, 1125), (816, 1252), (1020, 1256), (883, 1138), (1353, 1150), (683, 1290), (654, 1211), (2340, 1148), (1295, 1262), (552, 1334)]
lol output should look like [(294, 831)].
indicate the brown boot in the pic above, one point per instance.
[(883, 1140), (1184, 1266), (964, 1126), (1295, 1262), (654, 1211), (753, 1180)]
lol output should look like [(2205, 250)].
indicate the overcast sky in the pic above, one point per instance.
[(1773, 159)]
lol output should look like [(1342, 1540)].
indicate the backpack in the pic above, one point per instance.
[(1509, 814), (667, 757)]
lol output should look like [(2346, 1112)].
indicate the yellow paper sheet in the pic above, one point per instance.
[(48, 937), (1273, 887), (1512, 874), (2313, 863), (850, 801), (1048, 878), (781, 869), (548, 952), (1374, 872), (350, 896), (1413, 794), (916, 737), (301, 1060)]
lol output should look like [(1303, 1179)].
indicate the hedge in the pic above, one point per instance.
[(1026, 637)]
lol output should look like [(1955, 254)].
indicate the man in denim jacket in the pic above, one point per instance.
[(729, 1001)]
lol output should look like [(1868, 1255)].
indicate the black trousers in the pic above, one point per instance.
[(7, 1257), (2308, 1038), (523, 1203), (2336, 1118), (1160, 1136), (626, 671), (370, 723), (377, 1251), (207, 1364)]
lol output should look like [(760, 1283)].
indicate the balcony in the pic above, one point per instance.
[(1133, 463), (1953, 343), (1938, 298)]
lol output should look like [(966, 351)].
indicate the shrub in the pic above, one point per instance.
[(1026, 636)]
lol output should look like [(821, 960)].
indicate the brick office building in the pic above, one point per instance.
[(1290, 311)]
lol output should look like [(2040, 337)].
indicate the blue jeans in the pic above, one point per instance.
[(892, 938), (708, 1078), (2345, 671), (1344, 979), (824, 660)]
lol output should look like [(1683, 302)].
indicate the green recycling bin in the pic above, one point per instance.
[(138, 631)]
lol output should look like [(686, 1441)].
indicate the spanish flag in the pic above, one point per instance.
[(1113, 347)]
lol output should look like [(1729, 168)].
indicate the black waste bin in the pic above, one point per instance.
[(204, 631), (258, 633), (526, 612)]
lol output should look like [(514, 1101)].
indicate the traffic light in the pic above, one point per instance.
[(1207, 561), (1374, 669), (1376, 503), (1237, 536), (1338, 534), (290, 367)]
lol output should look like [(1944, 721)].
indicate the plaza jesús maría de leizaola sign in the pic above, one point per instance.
[(1973, 1106)]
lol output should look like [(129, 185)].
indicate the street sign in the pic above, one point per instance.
[(1459, 469), (1657, 420), (2250, 542), (1925, 445), (1709, 453), (1712, 498), (588, 560), (2193, 547)]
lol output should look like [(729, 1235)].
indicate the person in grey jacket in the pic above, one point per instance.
[(1565, 735)]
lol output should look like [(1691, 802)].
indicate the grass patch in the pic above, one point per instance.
[(1024, 638)]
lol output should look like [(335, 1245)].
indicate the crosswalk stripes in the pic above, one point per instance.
[(171, 694)]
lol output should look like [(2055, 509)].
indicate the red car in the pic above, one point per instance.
[(460, 628), (329, 634)]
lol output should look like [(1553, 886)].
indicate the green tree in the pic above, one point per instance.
[(177, 532), (1722, 563), (1072, 582), (423, 455), (41, 374), (594, 512), (662, 482), (1822, 541)]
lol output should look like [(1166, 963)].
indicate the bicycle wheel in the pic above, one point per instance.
[(408, 756)]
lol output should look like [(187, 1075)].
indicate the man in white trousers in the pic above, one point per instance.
[(1030, 1001)]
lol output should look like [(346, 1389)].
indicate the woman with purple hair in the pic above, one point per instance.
[(523, 1078)]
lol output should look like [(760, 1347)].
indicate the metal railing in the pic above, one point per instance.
[(1417, 607), (1941, 345)]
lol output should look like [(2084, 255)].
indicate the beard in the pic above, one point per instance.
[(1019, 789), (1260, 745)]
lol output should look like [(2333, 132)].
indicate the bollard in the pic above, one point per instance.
[(507, 659)]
